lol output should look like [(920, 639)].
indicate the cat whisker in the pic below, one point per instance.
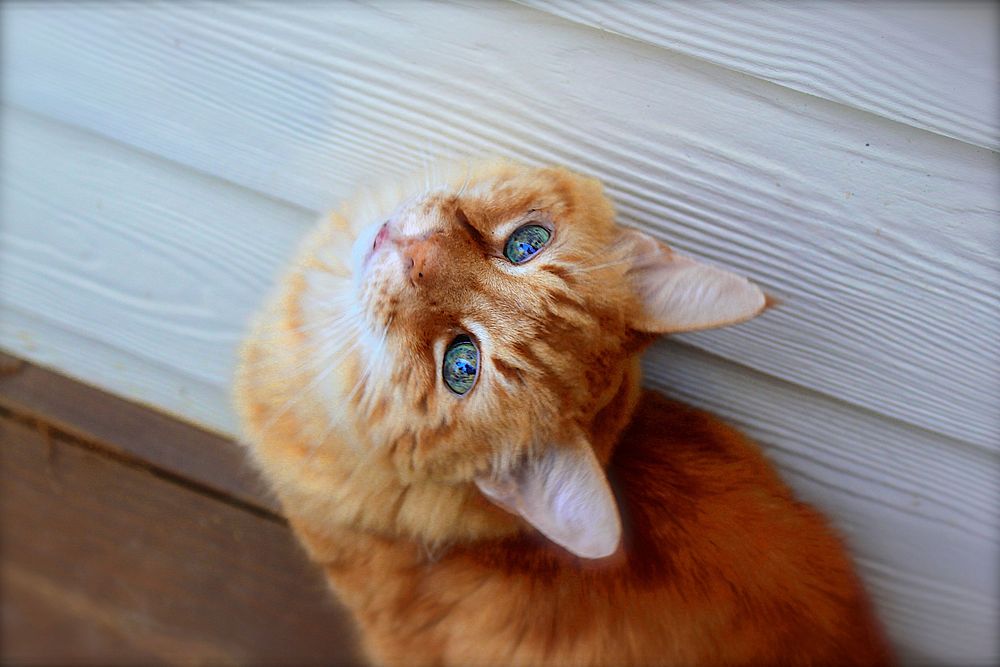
[(343, 299), (376, 355), (332, 320), (432, 552), (468, 177), (327, 358), (363, 378), (426, 165), (337, 328), (333, 424), (631, 259), (596, 267)]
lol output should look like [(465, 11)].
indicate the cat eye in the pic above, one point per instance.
[(461, 364), (525, 243)]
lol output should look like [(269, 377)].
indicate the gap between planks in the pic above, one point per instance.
[(840, 398), (57, 406), (220, 177), (161, 573), (806, 185)]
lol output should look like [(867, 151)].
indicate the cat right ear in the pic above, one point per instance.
[(677, 293), (565, 495)]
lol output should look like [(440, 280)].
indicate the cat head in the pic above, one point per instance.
[(503, 312)]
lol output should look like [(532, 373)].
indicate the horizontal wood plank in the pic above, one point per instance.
[(157, 265), (920, 512), (927, 64), (895, 490), (136, 377), (103, 563), (880, 239), (138, 433), (136, 274)]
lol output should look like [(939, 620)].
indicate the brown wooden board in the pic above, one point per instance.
[(131, 429), (108, 563)]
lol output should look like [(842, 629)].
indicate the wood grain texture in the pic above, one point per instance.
[(888, 525), (137, 433), (137, 377), (920, 508), (928, 64), (161, 265), (107, 564), (136, 273), (881, 239)]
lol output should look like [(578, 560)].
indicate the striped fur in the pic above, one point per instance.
[(374, 459)]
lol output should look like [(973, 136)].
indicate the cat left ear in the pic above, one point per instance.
[(565, 495), (677, 293)]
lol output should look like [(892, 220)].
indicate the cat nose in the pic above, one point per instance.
[(420, 256)]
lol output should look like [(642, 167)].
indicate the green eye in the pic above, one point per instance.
[(525, 242), (461, 363)]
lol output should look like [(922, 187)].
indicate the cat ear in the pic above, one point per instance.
[(679, 294), (566, 496)]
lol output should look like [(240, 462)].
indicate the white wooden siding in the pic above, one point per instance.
[(159, 163), (932, 65)]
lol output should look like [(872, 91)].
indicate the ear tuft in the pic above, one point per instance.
[(565, 495), (677, 293)]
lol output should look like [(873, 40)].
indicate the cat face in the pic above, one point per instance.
[(504, 313), (501, 312)]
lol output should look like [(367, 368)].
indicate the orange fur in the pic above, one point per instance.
[(377, 463)]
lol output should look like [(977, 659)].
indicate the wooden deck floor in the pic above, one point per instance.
[(130, 538)]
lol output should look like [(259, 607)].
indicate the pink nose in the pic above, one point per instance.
[(420, 255)]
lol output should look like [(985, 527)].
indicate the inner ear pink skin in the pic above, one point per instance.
[(565, 495), (677, 293)]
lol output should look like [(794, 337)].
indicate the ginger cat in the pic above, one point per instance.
[(445, 395)]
